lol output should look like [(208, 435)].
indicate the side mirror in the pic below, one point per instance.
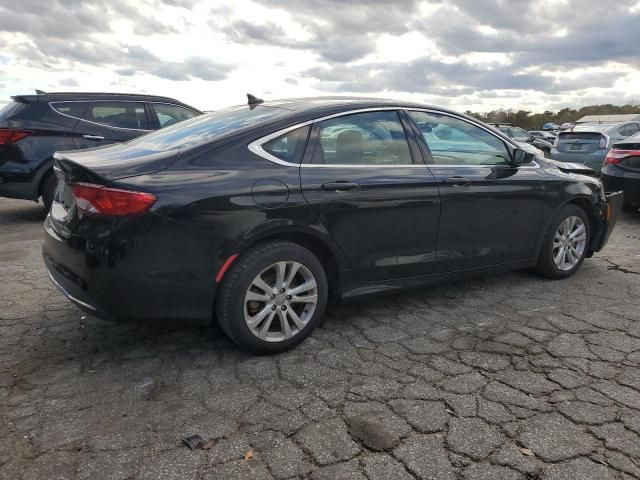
[(520, 157), (533, 138)]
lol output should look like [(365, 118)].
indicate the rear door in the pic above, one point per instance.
[(491, 210), (106, 122), (364, 177)]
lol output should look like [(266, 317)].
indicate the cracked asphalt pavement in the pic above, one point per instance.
[(506, 377)]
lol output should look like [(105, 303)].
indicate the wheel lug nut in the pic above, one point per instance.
[(273, 307), (288, 297), (284, 307), (282, 290)]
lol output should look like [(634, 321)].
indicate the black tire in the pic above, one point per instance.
[(48, 190), (546, 265), (237, 281)]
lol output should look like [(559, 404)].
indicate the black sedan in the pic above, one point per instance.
[(262, 213), (621, 170)]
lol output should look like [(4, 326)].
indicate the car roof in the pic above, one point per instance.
[(596, 127), (344, 102), (92, 96)]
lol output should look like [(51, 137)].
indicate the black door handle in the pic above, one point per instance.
[(458, 181), (339, 186)]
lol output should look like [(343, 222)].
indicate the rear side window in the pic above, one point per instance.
[(170, 114), (290, 146), (372, 138), (11, 109), (119, 114), (71, 109)]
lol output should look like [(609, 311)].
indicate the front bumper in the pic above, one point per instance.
[(612, 210)]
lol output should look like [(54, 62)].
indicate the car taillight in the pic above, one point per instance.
[(99, 200), (617, 155), (10, 135), (604, 141)]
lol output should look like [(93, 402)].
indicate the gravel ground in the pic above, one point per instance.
[(506, 377)]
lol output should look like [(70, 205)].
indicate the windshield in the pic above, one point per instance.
[(520, 135), (208, 127)]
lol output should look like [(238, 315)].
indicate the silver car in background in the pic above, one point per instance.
[(589, 144)]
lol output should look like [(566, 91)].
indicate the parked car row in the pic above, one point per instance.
[(33, 127)]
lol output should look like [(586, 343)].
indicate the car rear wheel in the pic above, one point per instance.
[(272, 297), (48, 190), (565, 243)]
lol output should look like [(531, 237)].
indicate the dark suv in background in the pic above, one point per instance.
[(33, 127)]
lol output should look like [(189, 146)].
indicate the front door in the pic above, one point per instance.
[(367, 183), (491, 210)]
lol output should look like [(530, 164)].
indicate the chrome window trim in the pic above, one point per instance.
[(101, 124), (256, 145)]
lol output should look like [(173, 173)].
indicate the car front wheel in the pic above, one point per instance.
[(565, 243), (273, 297)]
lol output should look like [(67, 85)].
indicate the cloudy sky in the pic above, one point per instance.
[(466, 54)]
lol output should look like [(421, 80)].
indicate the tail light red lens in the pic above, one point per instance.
[(115, 202), (616, 155), (10, 135)]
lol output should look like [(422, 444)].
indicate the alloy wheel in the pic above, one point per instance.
[(280, 301), (569, 243)]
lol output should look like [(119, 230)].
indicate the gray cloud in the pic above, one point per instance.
[(339, 31), (434, 77)]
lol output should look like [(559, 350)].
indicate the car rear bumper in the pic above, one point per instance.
[(141, 281), (629, 184), (592, 160)]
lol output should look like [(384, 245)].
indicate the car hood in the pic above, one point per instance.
[(569, 167)]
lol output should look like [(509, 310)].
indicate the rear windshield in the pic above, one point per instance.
[(10, 109), (208, 127)]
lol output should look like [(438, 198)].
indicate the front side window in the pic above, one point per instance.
[(371, 138), (171, 114), (290, 146), (455, 142), (119, 114)]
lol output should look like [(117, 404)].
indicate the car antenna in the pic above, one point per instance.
[(253, 101), (40, 92)]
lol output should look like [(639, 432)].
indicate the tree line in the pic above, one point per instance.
[(535, 121)]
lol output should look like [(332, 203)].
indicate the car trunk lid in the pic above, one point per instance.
[(99, 167)]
